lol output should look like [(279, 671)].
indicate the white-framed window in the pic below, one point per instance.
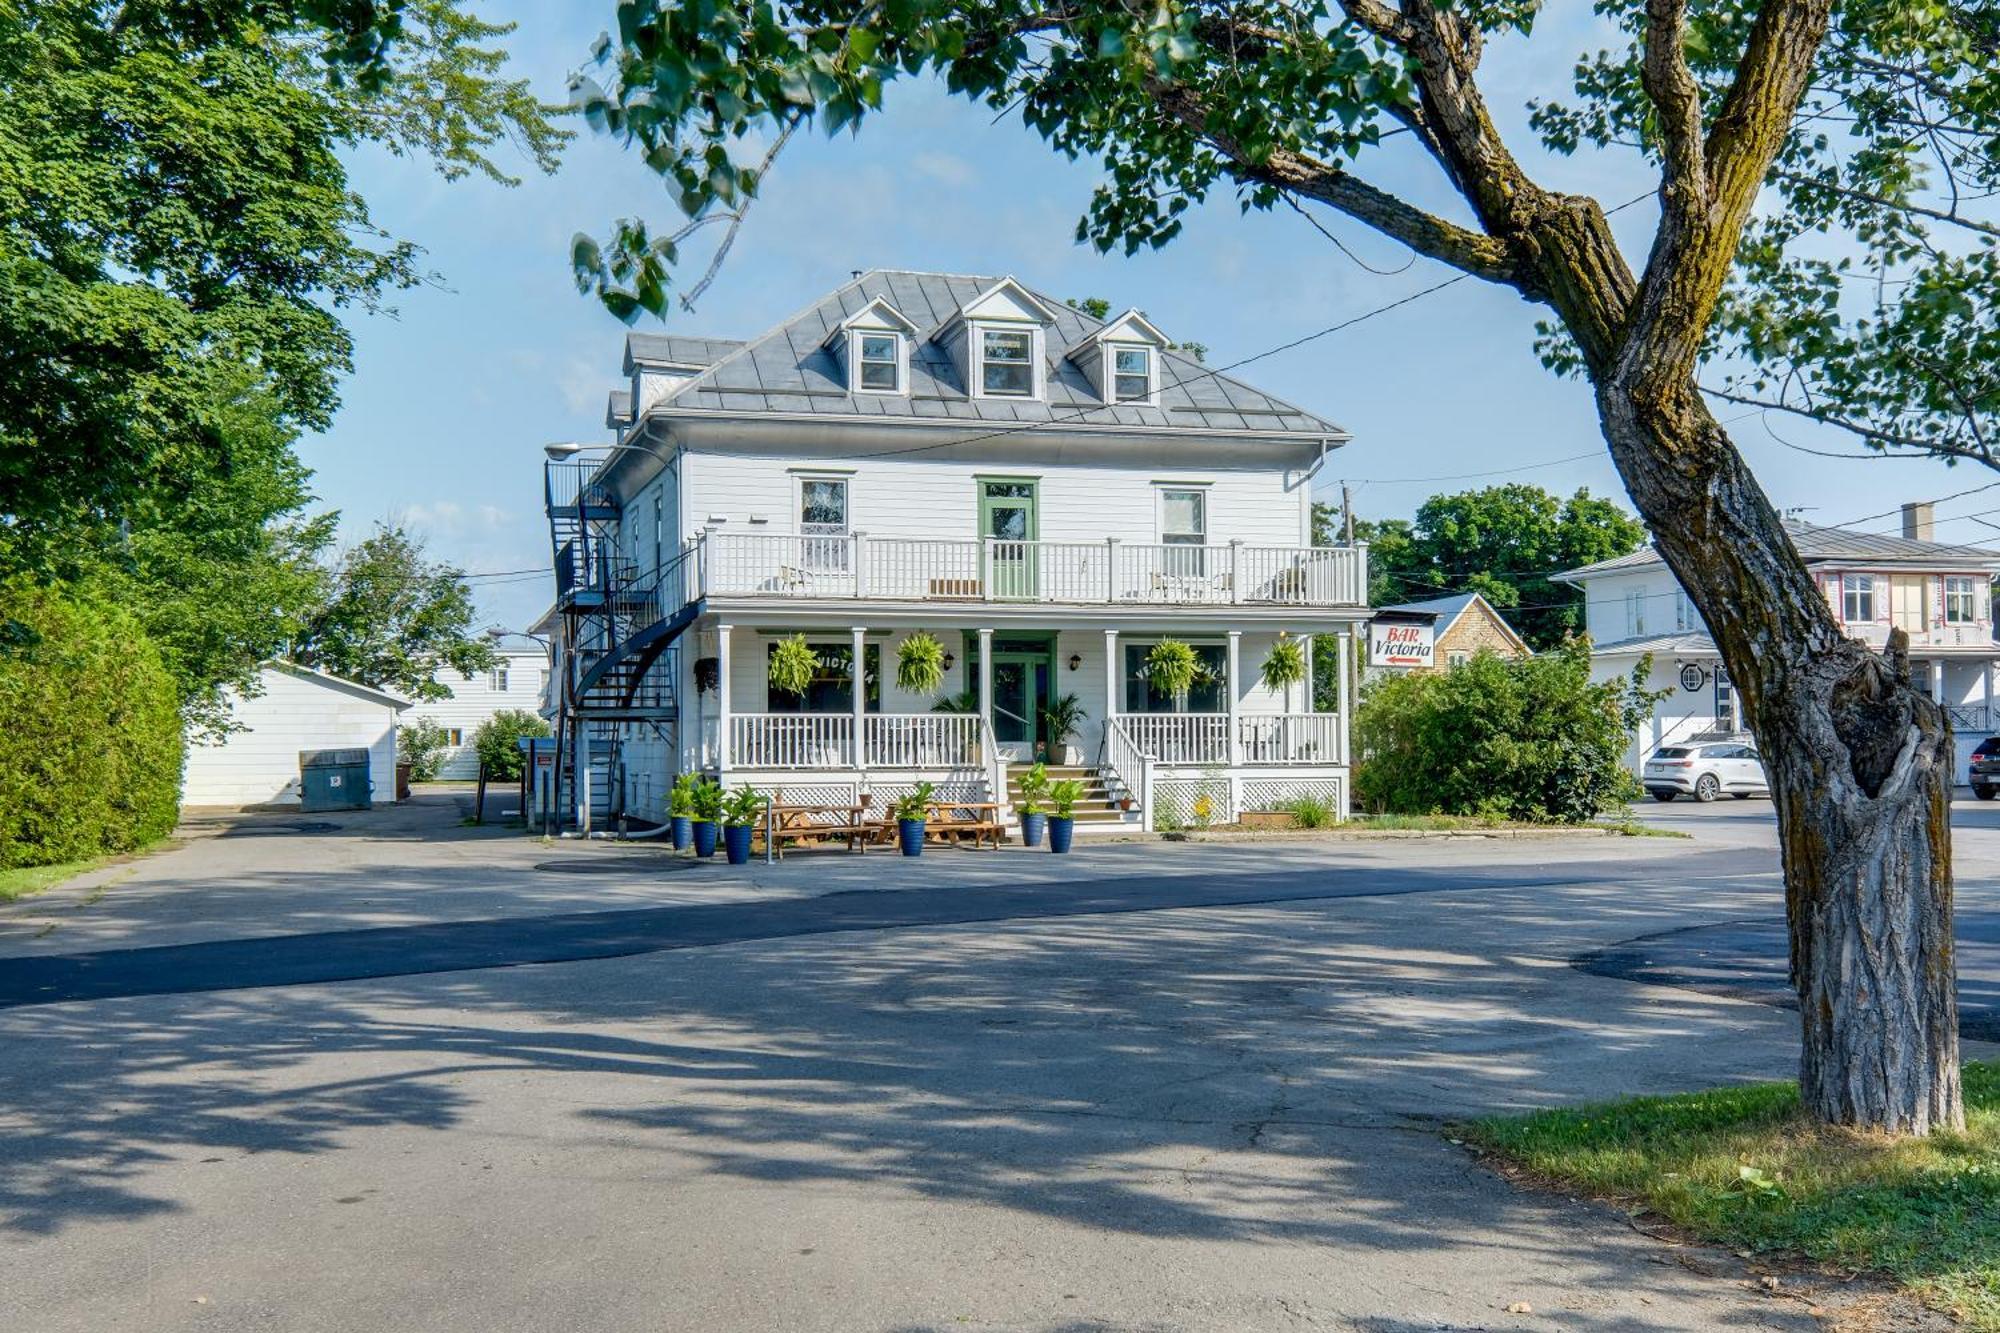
[(823, 522), (1685, 617), (454, 737), (1007, 363), (496, 680), (878, 362), (1183, 516), (659, 530), (545, 680), (1131, 374), (1635, 613), (1457, 659), (1961, 600), (1857, 598)]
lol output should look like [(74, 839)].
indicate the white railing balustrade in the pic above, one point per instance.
[(791, 740), (916, 569), (1179, 738), (1170, 575), (750, 564), (1048, 571), (922, 740), (1289, 738)]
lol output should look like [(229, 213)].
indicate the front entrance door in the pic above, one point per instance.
[(1020, 688), (1009, 523), (1906, 604)]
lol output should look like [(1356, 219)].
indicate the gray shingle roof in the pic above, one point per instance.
[(788, 369), (1819, 545), (618, 408), (1446, 609), (676, 349)]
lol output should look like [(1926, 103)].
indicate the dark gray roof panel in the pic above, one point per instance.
[(791, 359), (1819, 544), (678, 349)]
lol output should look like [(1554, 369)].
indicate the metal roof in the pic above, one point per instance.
[(1820, 545), (1681, 645), (789, 370), (675, 349)]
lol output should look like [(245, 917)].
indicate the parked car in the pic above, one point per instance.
[(1985, 768), (1708, 771)]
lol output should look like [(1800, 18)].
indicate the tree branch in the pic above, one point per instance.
[(1939, 448), (1916, 210), (1670, 84)]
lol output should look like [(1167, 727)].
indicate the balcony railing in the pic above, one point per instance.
[(1203, 738), (778, 565), (826, 740)]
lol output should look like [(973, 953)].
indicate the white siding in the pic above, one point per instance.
[(1645, 602), (915, 498), (260, 763), (473, 701)]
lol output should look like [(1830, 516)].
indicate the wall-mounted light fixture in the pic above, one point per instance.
[(1075, 661), (950, 661)]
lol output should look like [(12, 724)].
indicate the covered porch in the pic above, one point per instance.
[(1231, 744)]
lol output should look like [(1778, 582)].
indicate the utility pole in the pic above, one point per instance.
[(1351, 662), (1347, 513)]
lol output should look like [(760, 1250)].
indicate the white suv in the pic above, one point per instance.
[(1705, 772)]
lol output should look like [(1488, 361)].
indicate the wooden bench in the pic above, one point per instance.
[(955, 821)]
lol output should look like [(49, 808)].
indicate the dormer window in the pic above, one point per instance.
[(879, 362), (1007, 363), (1132, 374)]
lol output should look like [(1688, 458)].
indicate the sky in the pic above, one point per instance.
[(455, 393)]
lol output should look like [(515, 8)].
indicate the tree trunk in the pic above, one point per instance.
[(1860, 767)]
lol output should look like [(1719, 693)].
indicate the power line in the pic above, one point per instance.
[(1463, 476)]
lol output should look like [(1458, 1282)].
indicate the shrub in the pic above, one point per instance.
[(1530, 739), (1311, 812), (90, 730), (499, 755), (421, 745)]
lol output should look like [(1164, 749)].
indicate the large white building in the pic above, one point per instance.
[(1047, 493), (1938, 593), (295, 709), (516, 682)]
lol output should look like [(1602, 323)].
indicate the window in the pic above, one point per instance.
[(1007, 363), (1685, 617), (1857, 597), (1725, 702), (1961, 601), (1205, 697), (832, 688), (454, 737), (496, 680), (1131, 374), (1635, 613), (1457, 659), (879, 362), (545, 680), (1183, 517), (823, 522), (659, 530)]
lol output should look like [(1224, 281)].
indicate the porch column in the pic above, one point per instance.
[(1342, 649), (1987, 676), (1306, 639), (1111, 676), (986, 677), (1235, 680), (723, 634), (860, 673)]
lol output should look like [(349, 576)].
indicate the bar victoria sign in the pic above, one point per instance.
[(1400, 643)]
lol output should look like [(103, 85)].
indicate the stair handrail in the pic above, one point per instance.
[(1121, 756)]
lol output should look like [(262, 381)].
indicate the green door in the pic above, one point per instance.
[(1009, 524), (1020, 687)]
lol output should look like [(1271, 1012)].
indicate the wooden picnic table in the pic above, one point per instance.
[(955, 819), (817, 823)]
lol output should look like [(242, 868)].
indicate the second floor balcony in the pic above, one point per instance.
[(1107, 573)]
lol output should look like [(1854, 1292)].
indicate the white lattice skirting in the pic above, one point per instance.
[(1222, 798)]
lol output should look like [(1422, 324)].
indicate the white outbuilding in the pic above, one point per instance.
[(297, 709)]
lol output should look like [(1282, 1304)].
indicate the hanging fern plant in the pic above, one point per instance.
[(793, 665), (1171, 668), (1286, 664), (920, 664)]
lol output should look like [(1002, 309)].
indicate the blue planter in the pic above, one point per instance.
[(1031, 829), (1060, 830), (704, 838), (910, 835), (736, 841), (683, 833)]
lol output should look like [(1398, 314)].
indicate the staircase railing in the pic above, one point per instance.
[(1122, 758)]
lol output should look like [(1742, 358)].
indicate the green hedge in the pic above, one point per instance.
[(1529, 739), (90, 730), (496, 741)]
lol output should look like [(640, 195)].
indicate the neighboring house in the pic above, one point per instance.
[(296, 709), (1047, 493), (1937, 592), (1461, 625), (516, 682)]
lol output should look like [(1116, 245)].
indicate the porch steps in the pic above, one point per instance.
[(1096, 808)]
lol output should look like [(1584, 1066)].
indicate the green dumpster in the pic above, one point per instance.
[(334, 780)]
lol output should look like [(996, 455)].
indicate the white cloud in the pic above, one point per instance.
[(948, 168)]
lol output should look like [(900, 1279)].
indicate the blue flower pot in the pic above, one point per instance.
[(1060, 830), (910, 836), (683, 832), (704, 838), (1031, 829), (736, 841)]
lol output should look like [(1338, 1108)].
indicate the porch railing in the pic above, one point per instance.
[(791, 740), (1968, 717), (922, 740), (1109, 572), (1179, 738), (1289, 738)]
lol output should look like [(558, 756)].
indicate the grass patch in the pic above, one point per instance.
[(1745, 1168), (26, 880), (1631, 828)]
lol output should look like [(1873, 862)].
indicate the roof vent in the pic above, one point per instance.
[(1918, 525)]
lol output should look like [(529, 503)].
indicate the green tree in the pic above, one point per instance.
[(1825, 212), (1530, 738), (421, 745), (497, 742), (393, 618)]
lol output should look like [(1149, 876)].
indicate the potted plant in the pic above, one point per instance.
[(920, 665), (1063, 718), (1034, 785), (707, 806), (1063, 797), (680, 811), (1171, 668), (1285, 666), (793, 665), (911, 813), (740, 814)]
